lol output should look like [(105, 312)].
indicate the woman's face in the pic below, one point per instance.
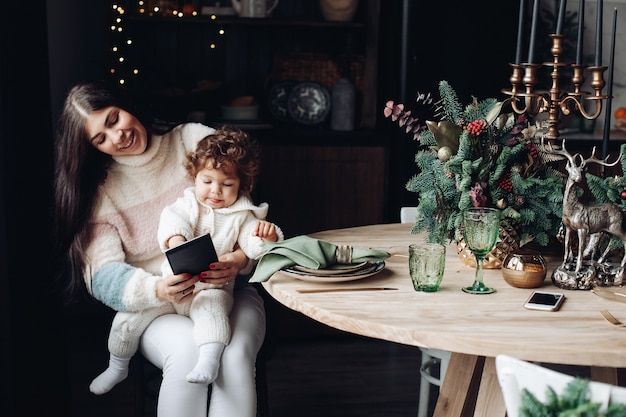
[(217, 188), (116, 132)]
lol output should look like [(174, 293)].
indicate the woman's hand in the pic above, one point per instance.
[(226, 269), (176, 288)]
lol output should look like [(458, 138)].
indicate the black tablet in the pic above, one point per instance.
[(193, 256)]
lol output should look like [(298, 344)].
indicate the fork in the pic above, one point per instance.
[(611, 319)]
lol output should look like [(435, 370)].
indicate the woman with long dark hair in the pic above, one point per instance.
[(115, 171)]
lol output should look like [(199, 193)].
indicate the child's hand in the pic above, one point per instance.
[(175, 241), (266, 231)]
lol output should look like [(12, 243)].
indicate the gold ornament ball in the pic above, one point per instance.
[(524, 269), (444, 153)]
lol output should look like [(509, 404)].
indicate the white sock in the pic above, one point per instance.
[(208, 364), (113, 375)]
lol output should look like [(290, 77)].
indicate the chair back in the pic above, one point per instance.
[(408, 214)]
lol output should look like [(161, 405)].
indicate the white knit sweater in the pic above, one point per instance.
[(123, 256), (228, 226)]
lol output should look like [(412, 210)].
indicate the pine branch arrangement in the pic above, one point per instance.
[(476, 155), (575, 402)]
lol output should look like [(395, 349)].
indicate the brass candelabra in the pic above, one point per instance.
[(556, 101)]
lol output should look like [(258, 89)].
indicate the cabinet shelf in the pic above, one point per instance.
[(244, 22), (177, 57), (293, 136)]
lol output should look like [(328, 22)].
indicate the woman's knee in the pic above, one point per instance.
[(168, 344), (247, 323)]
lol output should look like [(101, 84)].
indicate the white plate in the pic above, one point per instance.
[(337, 269), (376, 268)]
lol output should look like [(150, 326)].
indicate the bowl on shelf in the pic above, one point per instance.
[(524, 268)]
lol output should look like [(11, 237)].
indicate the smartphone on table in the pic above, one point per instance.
[(544, 300)]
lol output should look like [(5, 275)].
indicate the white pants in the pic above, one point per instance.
[(168, 344)]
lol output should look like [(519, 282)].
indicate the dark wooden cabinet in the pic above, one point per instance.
[(197, 63), (314, 188), (312, 177)]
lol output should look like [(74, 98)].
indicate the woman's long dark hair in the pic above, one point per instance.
[(79, 169)]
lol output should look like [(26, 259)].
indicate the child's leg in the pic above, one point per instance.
[(208, 365), (209, 312), (126, 330), (113, 375)]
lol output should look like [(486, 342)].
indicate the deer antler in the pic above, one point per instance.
[(571, 158), (603, 162)]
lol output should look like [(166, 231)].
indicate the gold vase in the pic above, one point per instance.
[(508, 241)]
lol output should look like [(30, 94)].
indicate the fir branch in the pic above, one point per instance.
[(452, 108), (478, 110), (427, 138), (487, 148)]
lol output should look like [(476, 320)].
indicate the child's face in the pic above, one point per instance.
[(217, 188)]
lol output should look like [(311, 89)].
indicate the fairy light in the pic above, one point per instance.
[(122, 69), (121, 47)]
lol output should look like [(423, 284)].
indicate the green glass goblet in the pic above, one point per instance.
[(481, 227)]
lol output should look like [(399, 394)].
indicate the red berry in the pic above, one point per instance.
[(505, 182), (476, 127), (623, 194)]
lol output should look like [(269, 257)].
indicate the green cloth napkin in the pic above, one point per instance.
[(308, 252)]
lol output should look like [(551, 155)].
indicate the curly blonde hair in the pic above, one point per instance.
[(231, 147)]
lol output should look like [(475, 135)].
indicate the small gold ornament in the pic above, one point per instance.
[(444, 153), (501, 204), (524, 269)]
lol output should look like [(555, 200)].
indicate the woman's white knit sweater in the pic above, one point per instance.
[(124, 257)]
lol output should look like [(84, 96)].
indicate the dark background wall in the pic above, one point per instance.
[(33, 81), (76, 41), (468, 43), (33, 364)]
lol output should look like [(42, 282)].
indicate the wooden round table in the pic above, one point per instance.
[(475, 328)]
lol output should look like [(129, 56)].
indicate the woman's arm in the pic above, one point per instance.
[(112, 280)]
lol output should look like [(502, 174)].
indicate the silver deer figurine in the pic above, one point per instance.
[(587, 221)]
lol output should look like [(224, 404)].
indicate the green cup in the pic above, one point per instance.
[(427, 262)]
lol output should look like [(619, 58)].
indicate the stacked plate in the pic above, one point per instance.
[(335, 273)]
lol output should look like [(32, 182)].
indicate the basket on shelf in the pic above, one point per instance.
[(325, 69)]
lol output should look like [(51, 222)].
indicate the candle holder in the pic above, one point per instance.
[(556, 101)]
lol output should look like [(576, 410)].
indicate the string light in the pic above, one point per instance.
[(121, 47)]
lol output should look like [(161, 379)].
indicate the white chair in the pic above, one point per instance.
[(431, 358), (515, 375)]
